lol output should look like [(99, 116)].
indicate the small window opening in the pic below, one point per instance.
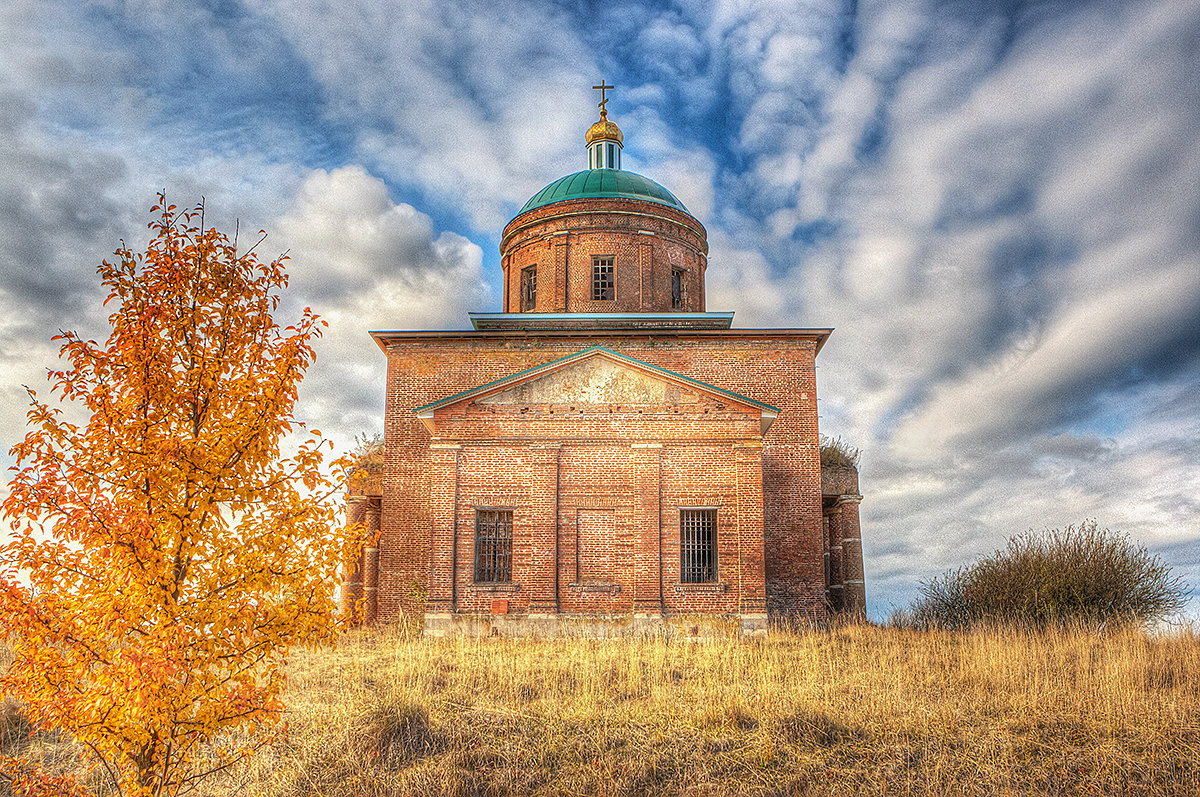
[(697, 546), (602, 278), (528, 288), (676, 289), (493, 545)]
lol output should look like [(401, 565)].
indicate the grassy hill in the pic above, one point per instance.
[(856, 710)]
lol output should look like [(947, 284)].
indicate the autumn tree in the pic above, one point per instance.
[(168, 553)]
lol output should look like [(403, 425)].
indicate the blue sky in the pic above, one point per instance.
[(996, 204)]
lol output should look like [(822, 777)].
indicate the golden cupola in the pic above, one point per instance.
[(604, 139), (604, 129)]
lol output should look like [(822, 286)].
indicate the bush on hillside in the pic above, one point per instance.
[(1080, 574)]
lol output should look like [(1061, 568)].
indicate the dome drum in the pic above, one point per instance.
[(604, 255)]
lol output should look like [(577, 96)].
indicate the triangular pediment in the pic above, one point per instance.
[(594, 380), (598, 376)]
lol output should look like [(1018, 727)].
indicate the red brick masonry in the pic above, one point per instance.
[(564, 467)]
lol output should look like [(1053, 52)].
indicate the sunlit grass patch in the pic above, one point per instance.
[(854, 710)]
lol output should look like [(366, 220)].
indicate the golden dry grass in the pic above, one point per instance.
[(855, 710)]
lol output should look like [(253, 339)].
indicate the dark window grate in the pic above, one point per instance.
[(493, 545), (676, 289), (528, 288), (602, 279), (697, 546)]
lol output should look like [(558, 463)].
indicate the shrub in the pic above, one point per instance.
[(368, 450), (836, 453), (1079, 574)]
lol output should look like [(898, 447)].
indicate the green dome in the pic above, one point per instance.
[(593, 183)]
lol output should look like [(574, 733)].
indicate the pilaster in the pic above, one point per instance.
[(836, 577), (647, 587), (370, 563), (443, 539), (751, 575), (854, 594), (352, 574), (645, 273), (541, 581), (560, 246)]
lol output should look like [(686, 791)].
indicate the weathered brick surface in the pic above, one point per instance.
[(496, 462), (646, 240), (854, 591)]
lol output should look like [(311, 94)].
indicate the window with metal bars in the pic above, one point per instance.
[(528, 288), (493, 545), (697, 546), (676, 289), (602, 278)]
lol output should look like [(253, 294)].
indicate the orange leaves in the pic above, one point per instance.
[(172, 555)]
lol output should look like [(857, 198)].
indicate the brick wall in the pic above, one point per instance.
[(556, 466), (645, 239), (697, 463)]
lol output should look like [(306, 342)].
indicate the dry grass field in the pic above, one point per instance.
[(856, 710)]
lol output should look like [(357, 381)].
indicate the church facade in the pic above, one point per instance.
[(604, 455)]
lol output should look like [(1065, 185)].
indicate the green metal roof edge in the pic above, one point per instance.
[(434, 405), (718, 314), (581, 318), (673, 202)]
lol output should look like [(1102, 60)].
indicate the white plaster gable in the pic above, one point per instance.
[(595, 380)]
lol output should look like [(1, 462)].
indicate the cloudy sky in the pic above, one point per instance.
[(996, 204)]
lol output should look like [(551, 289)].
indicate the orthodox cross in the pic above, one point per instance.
[(603, 98)]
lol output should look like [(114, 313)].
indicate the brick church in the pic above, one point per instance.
[(604, 455)]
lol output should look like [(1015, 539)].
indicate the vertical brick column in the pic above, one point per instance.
[(370, 564), (646, 273), (443, 534), (352, 576), (854, 594), (825, 552), (647, 556), (836, 598), (505, 265), (541, 581), (561, 249), (751, 575)]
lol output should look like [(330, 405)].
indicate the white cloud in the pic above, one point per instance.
[(997, 212), (1096, 336), (364, 262), (478, 105)]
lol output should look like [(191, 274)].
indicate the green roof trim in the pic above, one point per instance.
[(579, 355), (593, 183)]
